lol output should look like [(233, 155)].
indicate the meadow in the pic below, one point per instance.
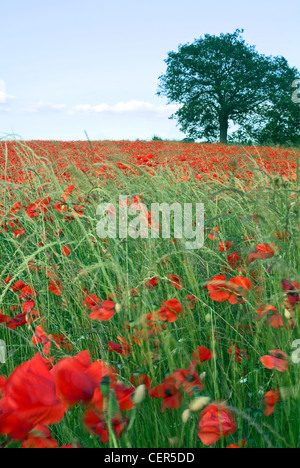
[(136, 343)]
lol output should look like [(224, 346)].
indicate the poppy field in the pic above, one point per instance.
[(141, 343)]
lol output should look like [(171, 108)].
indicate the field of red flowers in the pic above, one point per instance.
[(95, 159), (140, 342)]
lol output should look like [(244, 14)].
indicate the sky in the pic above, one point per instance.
[(68, 67)]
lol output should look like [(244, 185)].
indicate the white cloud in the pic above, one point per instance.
[(133, 108), (41, 106), (130, 107)]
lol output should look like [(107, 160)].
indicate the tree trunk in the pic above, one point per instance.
[(224, 124)]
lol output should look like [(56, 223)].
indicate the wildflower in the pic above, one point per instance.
[(28, 399), (185, 416), (262, 252), (77, 378), (170, 310), (270, 400), (216, 421), (169, 392), (202, 354), (103, 311), (199, 403), (276, 360)]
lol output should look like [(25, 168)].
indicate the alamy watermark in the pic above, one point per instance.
[(2, 352), (296, 93), (135, 220), (296, 353)]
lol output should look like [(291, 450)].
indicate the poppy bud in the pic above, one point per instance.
[(104, 385), (139, 394), (208, 318), (199, 403), (113, 405), (118, 308), (185, 416), (287, 314), (173, 440)]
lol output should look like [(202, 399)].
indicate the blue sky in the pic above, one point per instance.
[(67, 66)]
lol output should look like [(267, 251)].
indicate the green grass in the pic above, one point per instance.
[(117, 266)]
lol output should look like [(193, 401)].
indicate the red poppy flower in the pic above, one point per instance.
[(239, 354), (140, 379), (96, 423), (168, 390), (61, 207), (266, 311), (188, 380), (170, 310), (95, 419), (224, 246), (29, 399), (16, 208), (78, 211), (5, 318), (175, 280), (152, 282), (233, 259), (39, 438), (32, 210), (218, 289), (121, 348), (214, 233), (240, 445), (2, 383), (276, 360), (235, 290), (103, 311), (192, 300), (152, 324), (270, 400), (8, 279), (28, 306), (77, 378), (55, 287), (202, 354), (27, 293), (61, 342), (66, 251), (276, 321), (67, 192), (44, 204), (216, 422), (91, 301), (18, 286), (18, 321), (70, 446), (291, 288), (262, 252), (19, 232), (124, 396), (240, 286), (41, 337)]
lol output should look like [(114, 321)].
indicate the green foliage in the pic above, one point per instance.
[(118, 266), (221, 79), (156, 138)]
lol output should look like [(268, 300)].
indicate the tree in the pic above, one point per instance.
[(219, 79), (279, 120)]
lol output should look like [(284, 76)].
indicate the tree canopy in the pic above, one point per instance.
[(221, 79)]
